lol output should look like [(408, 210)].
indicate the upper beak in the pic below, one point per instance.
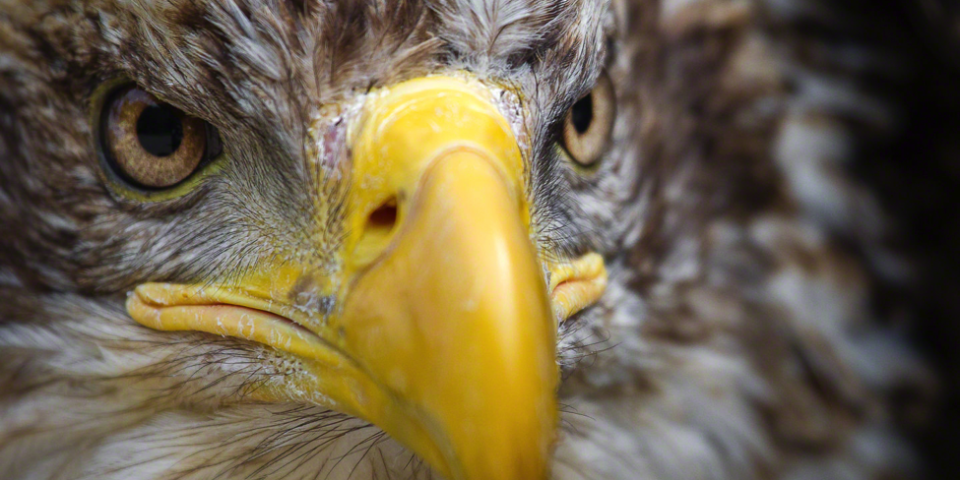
[(445, 338)]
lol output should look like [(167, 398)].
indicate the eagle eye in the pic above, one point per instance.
[(588, 123), (151, 144)]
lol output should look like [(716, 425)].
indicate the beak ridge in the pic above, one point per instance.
[(456, 322), (449, 311)]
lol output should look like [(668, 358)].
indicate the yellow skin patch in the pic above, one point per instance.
[(576, 285), (446, 338)]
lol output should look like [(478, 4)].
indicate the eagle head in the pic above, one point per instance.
[(474, 239)]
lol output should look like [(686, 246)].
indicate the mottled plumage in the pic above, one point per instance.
[(752, 326)]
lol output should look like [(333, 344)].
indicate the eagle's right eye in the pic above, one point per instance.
[(151, 144)]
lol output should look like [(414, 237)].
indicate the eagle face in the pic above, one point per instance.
[(361, 208), (365, 239)]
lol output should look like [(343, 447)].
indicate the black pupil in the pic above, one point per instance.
[(582, 114), (159, 130)]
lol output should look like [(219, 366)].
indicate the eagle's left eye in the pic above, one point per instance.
[(588, 124), (151, 144)]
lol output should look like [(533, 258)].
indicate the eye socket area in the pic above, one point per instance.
[(150, 144), (588, 124)]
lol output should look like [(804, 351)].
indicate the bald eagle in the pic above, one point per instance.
[(469, 239)]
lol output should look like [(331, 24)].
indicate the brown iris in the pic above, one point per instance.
[(150, 143), (589, 122)]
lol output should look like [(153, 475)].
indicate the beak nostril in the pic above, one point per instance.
[(377, 232), (384, 217)]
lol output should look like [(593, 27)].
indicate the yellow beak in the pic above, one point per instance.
[(445, 338)]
